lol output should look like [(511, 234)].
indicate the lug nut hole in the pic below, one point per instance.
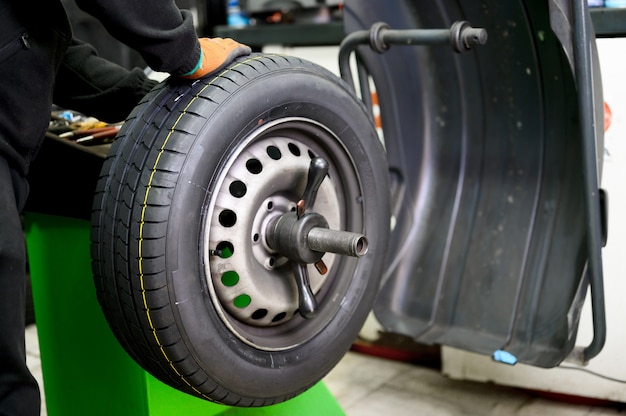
[(230, 278), (259, 314), (238, 189), (254, 166), (242, 301), (274, 152), (228, 218), (295, 150), (225, 249), (279, 317)]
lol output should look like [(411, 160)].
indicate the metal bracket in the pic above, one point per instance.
[(584, 79), (461, 37)]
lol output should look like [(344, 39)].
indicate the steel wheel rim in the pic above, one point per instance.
[(251, 288)]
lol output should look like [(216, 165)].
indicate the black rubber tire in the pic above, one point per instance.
[(158, 188)]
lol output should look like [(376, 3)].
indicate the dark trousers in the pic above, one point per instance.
[(29, 57), (36, 67), (19, 393)]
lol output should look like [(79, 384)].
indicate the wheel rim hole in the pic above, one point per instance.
[(238, 189), (242, 301), (259, 314), (274, 152), (279, 317), (256, 237), (295, 150), (311, 154), (271, 261), (270, 206), (254, 166), (225, 249), (228, 218), (230, 278)]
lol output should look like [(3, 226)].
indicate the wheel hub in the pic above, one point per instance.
[(304, 238)]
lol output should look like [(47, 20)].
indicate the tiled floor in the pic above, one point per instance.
[(33, 360), (369, 386)]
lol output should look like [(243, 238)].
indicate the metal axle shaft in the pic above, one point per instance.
[(338, 242)]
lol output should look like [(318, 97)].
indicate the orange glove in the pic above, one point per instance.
[(215, 54)]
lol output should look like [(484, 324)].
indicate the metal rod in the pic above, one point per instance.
[(416, 36), (461, 37), (318, 168), (366, 92), (348, 45), (385, 37), (307, 304), (584, 80), (339, 242)]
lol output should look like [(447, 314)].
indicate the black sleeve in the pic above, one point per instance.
[(163, 34), (97, 87)]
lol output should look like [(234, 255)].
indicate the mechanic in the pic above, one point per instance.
[(41, 64)]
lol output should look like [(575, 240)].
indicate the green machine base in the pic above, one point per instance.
[(86, 371)]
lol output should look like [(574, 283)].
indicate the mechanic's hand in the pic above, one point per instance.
[(215, 54)]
